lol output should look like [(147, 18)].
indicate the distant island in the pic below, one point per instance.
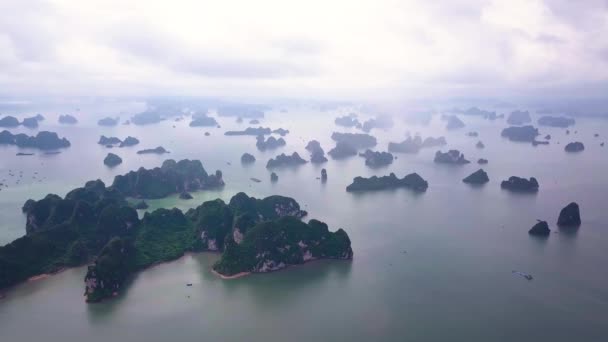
[(268, 144), (108, 121), (411, 181), (576, 146), (9, 121), (202, 120), (413, 145), (376, 159), (520, 133), (519, 118), (348, 121), (556, 121), (67, 119), (251, 131), (518, 184), (342, 150), (477, 177), (283, 160), (43, 140), (356, 140), (247, 158), (156, 150), (317, 154), (112, 160), (450, 157)]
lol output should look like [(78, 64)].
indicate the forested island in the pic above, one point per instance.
[(97, 224)]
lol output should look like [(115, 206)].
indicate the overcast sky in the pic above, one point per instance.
[(326, 48)]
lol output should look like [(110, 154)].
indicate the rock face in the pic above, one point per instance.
[(376, 159), (454, 122), (9, 121), (356, 140), (273, 245), (157, 150), (523, 133), (250, 131), (540, 229), (108, 121), (274, 178), (348, 121), (342, 150), (129, 141), (43, 140), (574, 147), (519, 118), (112, 160), (172, 177), (283, 160), (247, 158), (107, 275), (520, 184), (203, 121), (67, 119), (477, 177), (570, 216), (556, 121), (141, 205), (412, 181), (268, 144), (103, 140), (450, 157), (317, 154)]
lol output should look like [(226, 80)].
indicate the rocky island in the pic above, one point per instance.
[(411, 181), (556, 121), (247, 158), (409, 145), (9, 121), (250, 131), (43, 140), (478, 177), (112, 160), (129, 141), (67, 120), (519, 118), (202, 120), (576, 146), (342, 150), (172, 177), (376, 159), (569, 216), (103, 140), (520, 133), (269, 144), (450, 157), (356, 140), (156, 150), (108, 121), (453, 122), (317, 154), (541, 228), (283, 160), (348, 121), (518, 184)]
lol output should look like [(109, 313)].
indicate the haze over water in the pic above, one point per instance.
[(430, 266)]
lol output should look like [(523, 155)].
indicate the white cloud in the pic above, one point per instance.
[(299, 48)]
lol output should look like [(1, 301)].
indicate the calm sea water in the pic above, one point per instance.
[(428, 267)]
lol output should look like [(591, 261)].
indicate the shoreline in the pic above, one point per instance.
[(234, 276)]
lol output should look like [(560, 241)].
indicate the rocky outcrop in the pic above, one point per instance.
[(348, 121), (434, 142), (67, 119), (30, 122), (383, 122), (146, 118), (103, 140), (480, 144), (268, 144), (450, 157), (112, 160), (409, 145), (482, 161), (281, 131), (203, 121), (283, 160), (323, 175), (574, 147), (376, 159), (541, 228), (569, 216), (412, 181), (453, 122), (556, 121), (523, 133), (156, 150), (247, 158), (477, 177), (185, 196), (43, 140), (274, 177), (519, 118), (520, 184)]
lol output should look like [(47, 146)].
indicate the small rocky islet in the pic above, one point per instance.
[(411, 181), (44, 140)]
